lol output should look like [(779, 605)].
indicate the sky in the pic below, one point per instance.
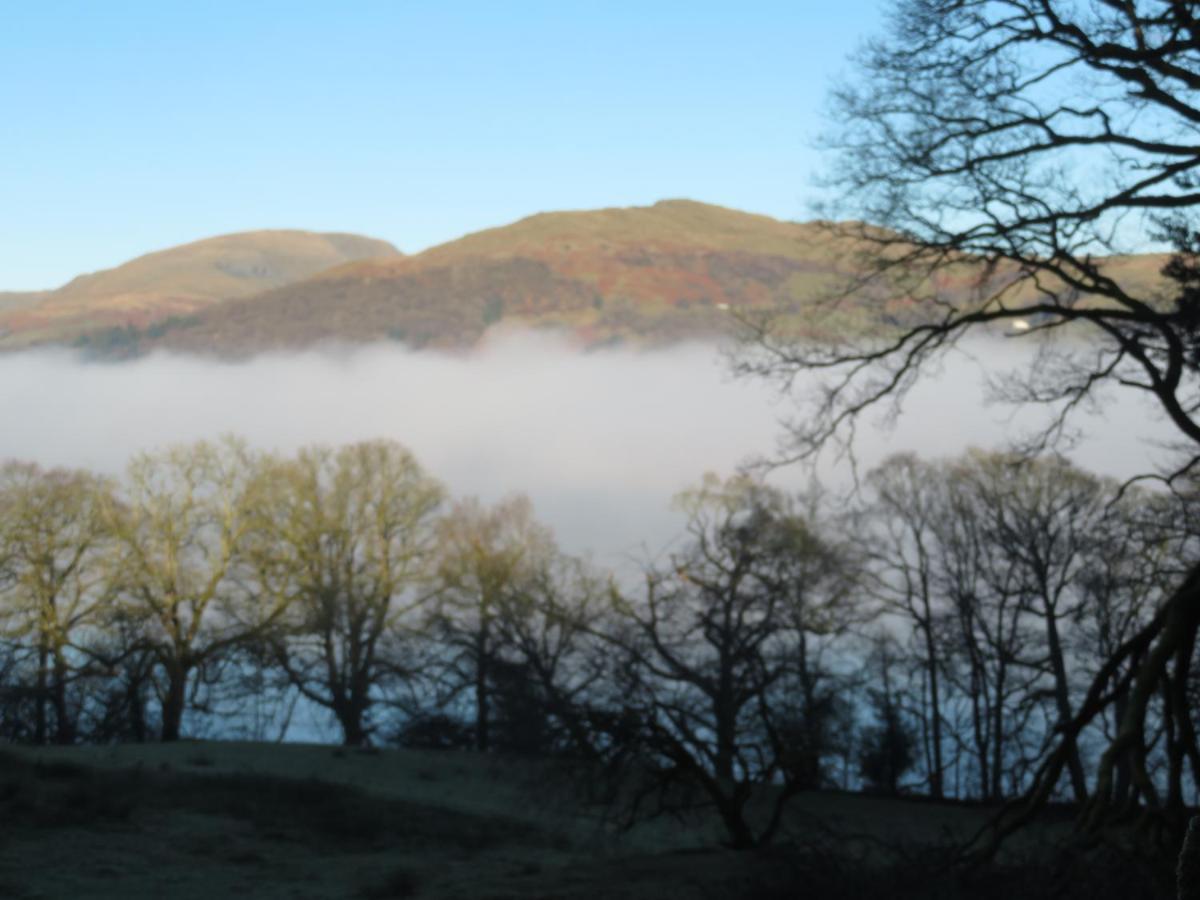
[(133, 126)]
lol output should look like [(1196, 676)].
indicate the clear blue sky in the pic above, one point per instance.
[(130, 126)]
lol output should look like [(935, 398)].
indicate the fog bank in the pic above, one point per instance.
[(600, 441)]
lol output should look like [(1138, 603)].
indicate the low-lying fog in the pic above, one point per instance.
[(600, 441)]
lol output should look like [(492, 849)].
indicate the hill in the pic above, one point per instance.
[(659, 273), (192, 820), (12, 300), (177, 282), (655, 274)]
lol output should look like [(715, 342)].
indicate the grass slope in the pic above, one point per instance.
[(199, 820)]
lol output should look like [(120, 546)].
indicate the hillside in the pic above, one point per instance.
[(216, 819), (660, 273), (177, 282), (656, 274), (10, 300)]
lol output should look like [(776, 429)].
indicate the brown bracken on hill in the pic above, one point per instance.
[(658, 274)]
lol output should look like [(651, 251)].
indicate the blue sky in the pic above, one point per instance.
[(131, 126)]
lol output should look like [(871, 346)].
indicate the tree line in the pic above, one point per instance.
[(936, 634)]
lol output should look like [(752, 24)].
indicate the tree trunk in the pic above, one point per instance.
[(64, 725), (350, 705), (732, 814), (980, 718), (725, 719), (997, 788), (40, 691), (1175, 752), (1178, 626), (483, 697), (1124, 782), (136, 704), (1180, 730), (1187, 872), (1062, 701), (937, 775), (174, 701), (350, 716)]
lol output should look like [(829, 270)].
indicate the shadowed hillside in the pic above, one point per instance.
[(177, 282), (269, 820)]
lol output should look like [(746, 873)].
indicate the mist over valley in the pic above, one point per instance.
[(600, 441)]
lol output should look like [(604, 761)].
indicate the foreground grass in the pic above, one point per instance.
[(256, 820)]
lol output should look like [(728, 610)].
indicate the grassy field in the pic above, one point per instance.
[(295, 821)]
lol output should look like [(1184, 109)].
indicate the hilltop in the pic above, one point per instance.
[(177, 282)]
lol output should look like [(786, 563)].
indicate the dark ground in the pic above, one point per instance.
[(257, 820)]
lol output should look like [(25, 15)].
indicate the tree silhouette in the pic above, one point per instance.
[(707, 656), (998, 156)]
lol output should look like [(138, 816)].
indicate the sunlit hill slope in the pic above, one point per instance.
[(657, 274), (177, 282)]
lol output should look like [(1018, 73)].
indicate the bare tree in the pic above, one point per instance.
[(706, 653), (547, 628), (1012, 147), (940, 567), (1042, 515), (887, 752), (901, 519), (1134, 557), (485, 558), (180, 539), (54, 539), (341, 544)]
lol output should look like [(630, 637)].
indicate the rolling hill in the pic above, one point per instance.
[(657, 274), (653, 275), (176, 282), (222, 819)]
